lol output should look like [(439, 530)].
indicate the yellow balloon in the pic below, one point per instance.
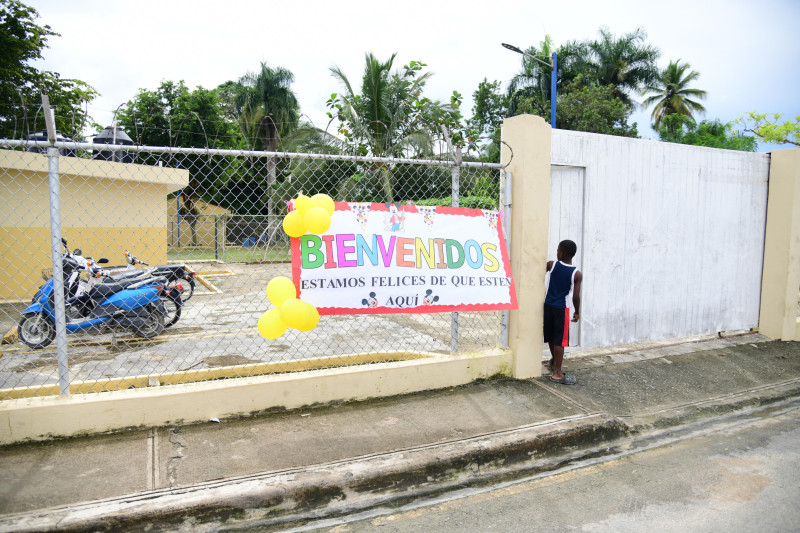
[(293, 224), (302, 203), (317, 220), (324, 201), (312, 318), (293, 313), (280, 289), (271, 325)]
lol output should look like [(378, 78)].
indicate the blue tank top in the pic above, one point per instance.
[(562, 277)]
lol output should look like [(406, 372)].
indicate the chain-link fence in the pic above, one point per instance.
[(215, 216)]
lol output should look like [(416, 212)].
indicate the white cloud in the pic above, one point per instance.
[(748, 53)]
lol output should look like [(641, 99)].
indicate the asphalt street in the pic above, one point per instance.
[(733, 475)]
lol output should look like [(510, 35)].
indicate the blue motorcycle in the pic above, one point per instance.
[(134, 305)]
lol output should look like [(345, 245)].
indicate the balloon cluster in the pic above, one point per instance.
[(289, 312), (310, 214)]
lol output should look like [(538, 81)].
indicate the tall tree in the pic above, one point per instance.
[(769, 127), (592, 109), (488, 111), (268, 110), (626, 62), (672, 94), (174, 115), (389, 116), (21, 85)]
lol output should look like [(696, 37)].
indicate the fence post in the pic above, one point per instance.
[(216, 237), (224, 233), (455, 175), (54, 187), (506, 207)]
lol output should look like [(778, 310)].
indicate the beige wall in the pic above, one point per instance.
[(106, 208), (781, 276), (205, 227), (529, 137), (79, 414)]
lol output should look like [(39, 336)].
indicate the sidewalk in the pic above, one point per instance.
[(337, 458)]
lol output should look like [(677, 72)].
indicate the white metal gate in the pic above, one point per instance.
[(670, 237)]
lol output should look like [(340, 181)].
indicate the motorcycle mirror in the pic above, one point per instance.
[(64, 241), (77, 251), (102, 261)]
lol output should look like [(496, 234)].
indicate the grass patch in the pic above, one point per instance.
[(232, 254)]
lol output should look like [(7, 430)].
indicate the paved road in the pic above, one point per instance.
[(739, 476)]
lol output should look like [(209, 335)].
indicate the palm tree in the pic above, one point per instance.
[(267, 110), (672, 94), (380, 117), (626, 62), (388, 117)]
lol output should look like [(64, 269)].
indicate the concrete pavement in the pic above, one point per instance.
[(285, 467)]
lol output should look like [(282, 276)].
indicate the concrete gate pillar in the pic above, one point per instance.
[(780, 280), (529, 139)]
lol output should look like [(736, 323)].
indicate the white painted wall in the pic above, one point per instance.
[(670, 237)]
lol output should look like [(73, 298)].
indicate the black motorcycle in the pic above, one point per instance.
[(178, 276)]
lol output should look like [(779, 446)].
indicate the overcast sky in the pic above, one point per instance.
[(747, 52)]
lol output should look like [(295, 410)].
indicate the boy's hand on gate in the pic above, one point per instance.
[(576, 316)]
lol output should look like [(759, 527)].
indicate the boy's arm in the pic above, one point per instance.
[(549, 266), (576, 296)]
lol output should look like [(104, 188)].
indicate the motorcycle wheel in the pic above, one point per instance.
[(154, 324), (36, 331), (187, 288), (172, 301)]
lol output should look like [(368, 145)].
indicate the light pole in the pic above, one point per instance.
[(553, 67)]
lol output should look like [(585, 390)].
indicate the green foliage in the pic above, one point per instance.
[(488, 112), (767, 126), (173, 115), (266, 106), (626, 62), (21, 85), (672, 94), (472, 202), (390, 116), (594, 81), (582, 108), (682, 129)]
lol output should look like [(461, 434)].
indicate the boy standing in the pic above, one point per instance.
[(564, 277)]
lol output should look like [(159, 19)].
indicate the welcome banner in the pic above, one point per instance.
[(393, 258)]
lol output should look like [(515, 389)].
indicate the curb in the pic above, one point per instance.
[(293, 497), (335, 488)]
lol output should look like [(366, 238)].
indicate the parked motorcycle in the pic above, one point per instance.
[(133, 305), (175, 274), (170, 293)]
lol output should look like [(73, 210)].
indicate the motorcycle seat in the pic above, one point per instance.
[(178, 270), (102, 291)]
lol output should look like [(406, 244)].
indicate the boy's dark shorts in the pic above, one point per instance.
[(556, 325)]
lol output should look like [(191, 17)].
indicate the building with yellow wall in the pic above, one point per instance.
[(106, 208), (209, 228)]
